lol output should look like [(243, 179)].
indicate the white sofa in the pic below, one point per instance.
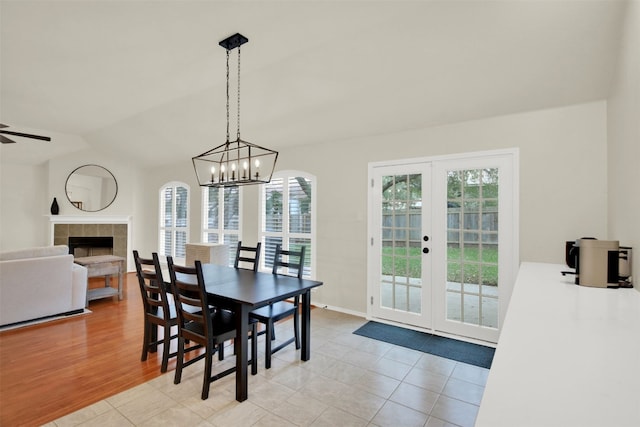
[(40, 282)]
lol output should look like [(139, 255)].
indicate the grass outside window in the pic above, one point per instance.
[(467, 266)]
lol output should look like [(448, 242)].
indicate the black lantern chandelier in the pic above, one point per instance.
[(234, 162)]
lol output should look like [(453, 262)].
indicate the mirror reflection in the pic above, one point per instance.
[(91, 188)]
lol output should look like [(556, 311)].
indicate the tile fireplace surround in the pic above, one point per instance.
[(63, 227)]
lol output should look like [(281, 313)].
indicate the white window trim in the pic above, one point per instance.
[(285, 234), (172, 229)]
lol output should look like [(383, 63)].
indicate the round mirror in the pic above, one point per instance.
[(91, 188)]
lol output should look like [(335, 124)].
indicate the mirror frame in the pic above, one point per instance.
[(76, 204)]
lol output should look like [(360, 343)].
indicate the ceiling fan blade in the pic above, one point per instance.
[(3, 126), (6, 140), (26, 135)]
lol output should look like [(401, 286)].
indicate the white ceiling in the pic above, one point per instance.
[(146, 79)]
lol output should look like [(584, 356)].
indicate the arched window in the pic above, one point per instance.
[(288, 216), (174, 220), (222, 217)]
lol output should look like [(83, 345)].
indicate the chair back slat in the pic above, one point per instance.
[(289, 263), (252, 258)]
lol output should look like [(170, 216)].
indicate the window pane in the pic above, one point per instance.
[(174, 200), (212, 208), (181, 206), (287, 218), (269, 248), (273, 205), (299, 205), (232, 241), (165, 237), (181, 240), (296, 245), (168, 206), (231, 208)]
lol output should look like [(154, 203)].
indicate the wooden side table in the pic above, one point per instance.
[(107, 266)]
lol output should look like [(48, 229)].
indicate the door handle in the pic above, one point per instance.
[(425, 250)]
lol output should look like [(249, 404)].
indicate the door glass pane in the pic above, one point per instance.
[(401, 259), (472, 246)]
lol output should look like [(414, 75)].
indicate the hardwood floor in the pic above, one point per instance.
[(53, 369)]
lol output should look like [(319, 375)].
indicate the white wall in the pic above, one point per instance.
[(624, 140), (24, 202)]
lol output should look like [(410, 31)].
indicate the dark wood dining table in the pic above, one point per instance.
[(243, 291)]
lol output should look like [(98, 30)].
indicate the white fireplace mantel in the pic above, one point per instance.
[(89, 219)]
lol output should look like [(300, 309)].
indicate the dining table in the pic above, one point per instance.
[(242, 291)]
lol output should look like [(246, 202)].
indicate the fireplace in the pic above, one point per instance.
[(82, 246), (92, 229)]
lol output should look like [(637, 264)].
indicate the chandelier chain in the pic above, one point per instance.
[(238, 114), (227, 96)]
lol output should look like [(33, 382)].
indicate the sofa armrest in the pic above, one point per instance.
[(79, 286)]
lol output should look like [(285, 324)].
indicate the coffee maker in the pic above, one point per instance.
[(599, 263)]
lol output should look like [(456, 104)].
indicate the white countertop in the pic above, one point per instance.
[(567, 356)]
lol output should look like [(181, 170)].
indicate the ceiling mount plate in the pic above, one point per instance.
[(234, 41)]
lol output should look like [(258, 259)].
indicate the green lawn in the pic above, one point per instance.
[(473, 270)]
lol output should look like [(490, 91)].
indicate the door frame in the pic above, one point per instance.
[(513, 263)]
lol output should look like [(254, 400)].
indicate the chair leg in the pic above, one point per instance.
[(221, 351), (296, 329), (166, 348), (178, 376), (254, 349), (206, 381), (267, 350), (145, 341)]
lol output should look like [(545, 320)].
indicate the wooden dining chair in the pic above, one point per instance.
[(198, 324), (158, 311), (252, 257), (280, 310)]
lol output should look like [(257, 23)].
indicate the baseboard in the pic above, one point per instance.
[(44, 319)]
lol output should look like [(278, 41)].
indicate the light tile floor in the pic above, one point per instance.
[(349, 381)]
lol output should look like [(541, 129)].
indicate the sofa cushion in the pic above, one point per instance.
[(38, 252)]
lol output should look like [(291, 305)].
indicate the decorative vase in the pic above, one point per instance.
[(55, 209)]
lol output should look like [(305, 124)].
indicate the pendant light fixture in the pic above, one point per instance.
[(234, 162)]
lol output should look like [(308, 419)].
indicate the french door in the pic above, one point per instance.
[(402, 265), (443, 252)]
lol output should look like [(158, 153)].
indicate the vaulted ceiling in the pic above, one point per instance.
[(146, 79)]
